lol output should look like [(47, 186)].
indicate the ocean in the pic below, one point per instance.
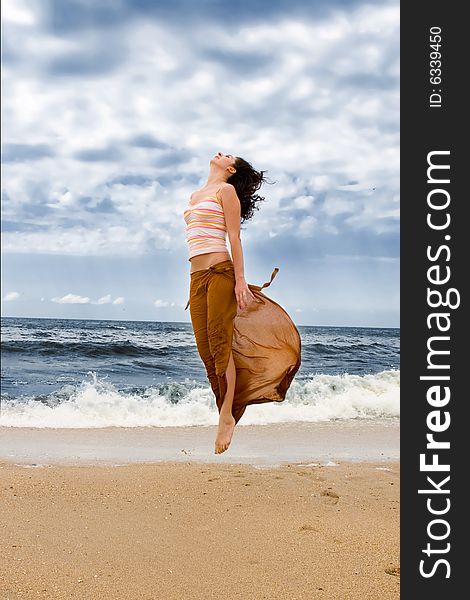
[(71, 373)]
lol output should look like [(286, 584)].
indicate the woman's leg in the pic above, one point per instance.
[(221, 311), (209, 321), (231, 374), (198, 312), (226, 419)]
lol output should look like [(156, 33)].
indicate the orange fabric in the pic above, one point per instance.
[(264, 340)]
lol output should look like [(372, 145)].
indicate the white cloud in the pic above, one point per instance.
[(304, 202), (107, 300), (103, 300), (77, 299), (61, 200), (17, 12), (165, 303), (335, 206), (11, 296), (105, 240), (306, 228), (71, 299), (161, 303)]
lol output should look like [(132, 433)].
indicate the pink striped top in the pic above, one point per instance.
[(206, 230)]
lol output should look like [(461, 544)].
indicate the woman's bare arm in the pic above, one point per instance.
[(232, 211)]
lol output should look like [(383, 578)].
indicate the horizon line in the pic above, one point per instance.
[(189, 322)]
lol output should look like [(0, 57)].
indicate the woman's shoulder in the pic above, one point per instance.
[(227, 189)]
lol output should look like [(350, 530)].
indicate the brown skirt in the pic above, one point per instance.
[(264, 341)]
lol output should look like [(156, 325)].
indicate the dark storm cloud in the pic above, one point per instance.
[(139, 180), (173, 158), (22, 226), (146, 180), (89, 61), (109, 154), (73, 223), (367, 82), (25, 152), (144, 140), (238, 62), (104, 206), (35, 209), (173, 179), (281, 110), (9, 54), (85, 200), (75, 15)]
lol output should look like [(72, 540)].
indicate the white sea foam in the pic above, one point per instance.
[(97, 403)]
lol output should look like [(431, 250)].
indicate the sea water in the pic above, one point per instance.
[(67, 373)]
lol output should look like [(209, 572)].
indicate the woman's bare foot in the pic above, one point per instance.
[(224, 433)]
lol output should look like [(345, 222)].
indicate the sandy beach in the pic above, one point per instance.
[(325, 528)]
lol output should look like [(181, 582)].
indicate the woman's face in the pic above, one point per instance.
[(224, 160)]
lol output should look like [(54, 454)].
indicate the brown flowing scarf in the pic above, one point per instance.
[(266, 351)]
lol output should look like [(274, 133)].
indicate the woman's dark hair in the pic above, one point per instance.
[(246, 182)]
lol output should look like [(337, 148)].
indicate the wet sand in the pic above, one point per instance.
[(273, 444)]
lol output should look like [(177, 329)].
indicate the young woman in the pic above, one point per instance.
[(248, 343)]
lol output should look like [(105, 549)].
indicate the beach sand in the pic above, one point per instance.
[(189, 529)]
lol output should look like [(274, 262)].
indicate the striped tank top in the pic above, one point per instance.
[(205, 226)]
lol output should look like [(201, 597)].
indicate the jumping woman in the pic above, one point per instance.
[(248, 343)]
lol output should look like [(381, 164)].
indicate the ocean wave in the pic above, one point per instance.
[(93, 349), (346, 347), (97, 403)]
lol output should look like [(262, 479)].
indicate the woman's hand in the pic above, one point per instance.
[(243, 293)]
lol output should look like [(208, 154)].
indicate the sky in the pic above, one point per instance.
[(112, 110)]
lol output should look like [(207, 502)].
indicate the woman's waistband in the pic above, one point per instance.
[(220, 266)]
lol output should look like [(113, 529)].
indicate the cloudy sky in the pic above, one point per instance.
[(112, 110)]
